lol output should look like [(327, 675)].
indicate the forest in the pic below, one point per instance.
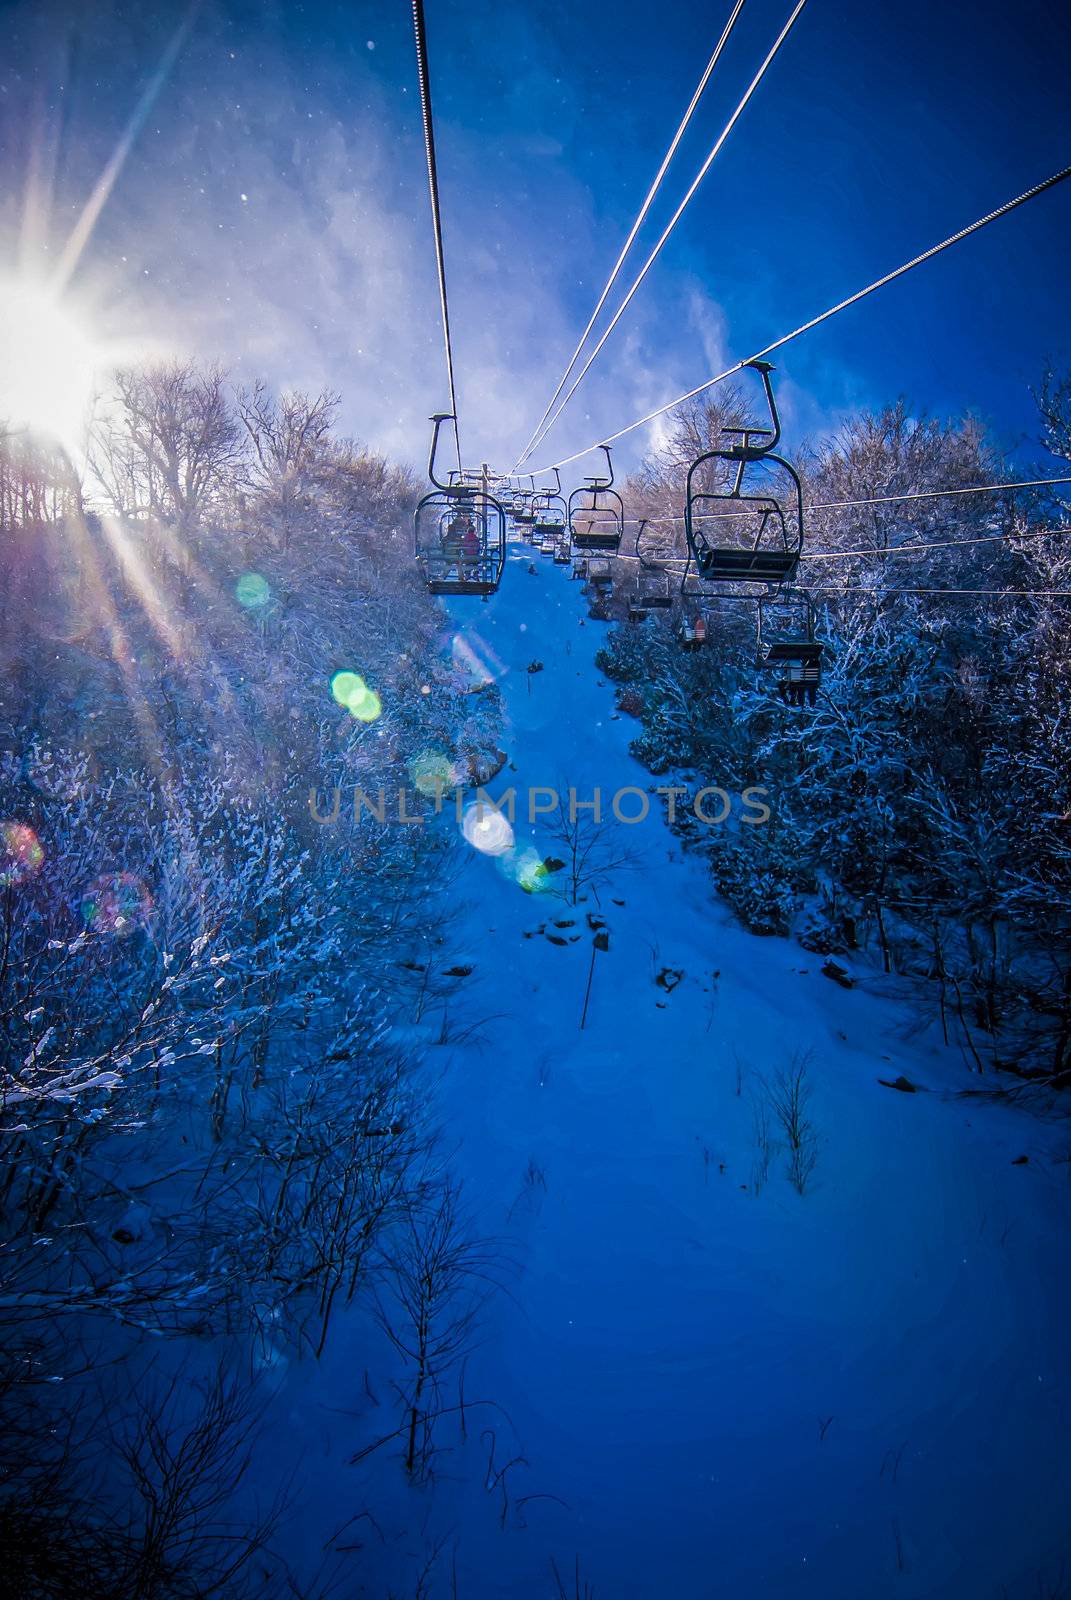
[(923, 805), (209, 1125)]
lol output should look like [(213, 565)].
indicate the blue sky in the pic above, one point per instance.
[(879, 129)]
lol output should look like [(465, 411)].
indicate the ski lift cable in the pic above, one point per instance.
[(805, 327), (943, 544), (930, 494), (652, 258), (889, 499), (899, 549), (420, 37), (634, 230), (673, 562), (870, 589)]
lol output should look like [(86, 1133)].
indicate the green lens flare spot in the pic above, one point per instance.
[(252, 591), (367, 706), (531, 872), (346, 686), (350, 690), (431, 771)]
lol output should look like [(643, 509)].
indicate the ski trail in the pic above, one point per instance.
[(675, 1338), (719, 1387)]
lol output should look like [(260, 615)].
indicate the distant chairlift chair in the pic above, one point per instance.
[(600, 579), (693, 633), (652, 592), (524, 512), (460, 531), (655, 591), (551, 512), (787, 643)]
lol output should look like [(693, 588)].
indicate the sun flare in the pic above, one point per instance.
[(50, 363)]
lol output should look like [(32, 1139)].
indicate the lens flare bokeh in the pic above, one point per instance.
[(487, 830), (475, 659), (431, 772), (527, 868), (252, 591), (21, 853), (117, 903), (350, 690)]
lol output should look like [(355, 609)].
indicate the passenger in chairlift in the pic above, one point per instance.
[(450, 541), (791, 685), (470, 550), (811, 678)]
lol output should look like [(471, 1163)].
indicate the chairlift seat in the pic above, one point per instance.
[(597, 539), (722, 565), (461, 586), (802, 650)]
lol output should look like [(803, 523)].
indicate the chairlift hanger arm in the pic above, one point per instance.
[(438, 419), (597, 483), (645, 563), (746, 451)]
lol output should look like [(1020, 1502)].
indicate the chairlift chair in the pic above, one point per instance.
[(654, 592), (524, 512), (786, 641), (551, 512), (460, 531), (523, 519), (770, 552), (599, 525), (692, 634), (600, 578)]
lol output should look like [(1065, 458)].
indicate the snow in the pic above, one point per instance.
[(717, 1388)]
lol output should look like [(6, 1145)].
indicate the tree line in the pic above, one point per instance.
[(215, 1135), (923, 806)]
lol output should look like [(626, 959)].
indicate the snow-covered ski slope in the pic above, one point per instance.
[(719, 1387)]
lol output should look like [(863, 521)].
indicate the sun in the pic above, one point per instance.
[(49, 363)]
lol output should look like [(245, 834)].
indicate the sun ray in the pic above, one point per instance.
[(197, 660), (134, 569), (39, 188), (87, 221), (120, 648)]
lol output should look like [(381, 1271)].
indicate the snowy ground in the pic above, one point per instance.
[(728, 1389)]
